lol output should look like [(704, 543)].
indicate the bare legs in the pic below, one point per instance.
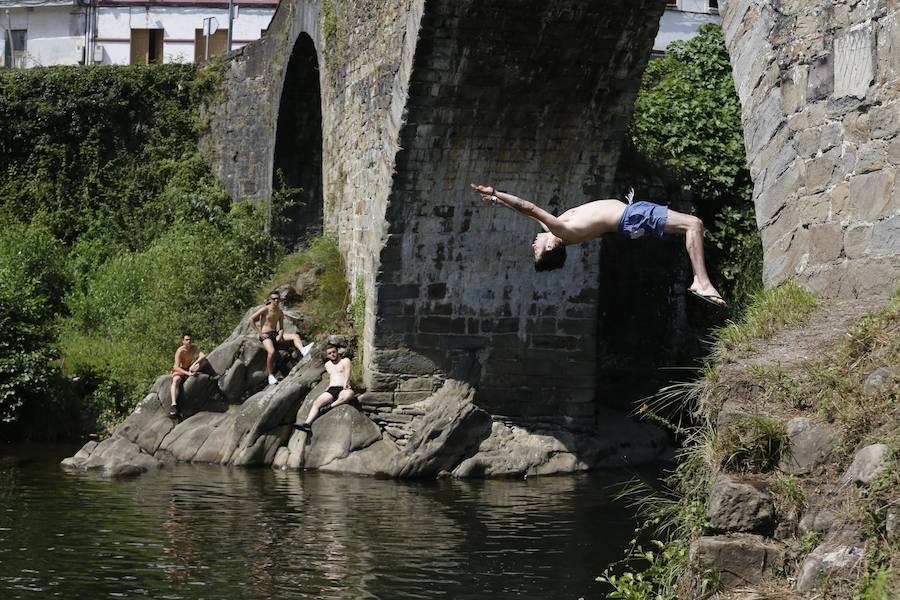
[(269, 345), (176, 387), (692, 228), (326, 399), (297, 341)]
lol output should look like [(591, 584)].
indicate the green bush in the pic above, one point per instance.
[(687, 120), (90, 150), (325, 294), (33, 275), (126, 322)]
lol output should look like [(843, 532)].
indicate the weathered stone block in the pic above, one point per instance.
[(740, 505), (885, 120), (821, 78), (807, 142), (739, 559), (820, 171), (870, 194), (793, 89), (870, 156), (886, 237), (856, 127), (853, 62), (825, 241), (856, 241), (809, 445)]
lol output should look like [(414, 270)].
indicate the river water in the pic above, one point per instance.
[(195, 531)]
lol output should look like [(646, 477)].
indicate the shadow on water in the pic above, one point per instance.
[(194, 531)]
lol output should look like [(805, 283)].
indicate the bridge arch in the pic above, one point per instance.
[(297, 154), (418, 97)]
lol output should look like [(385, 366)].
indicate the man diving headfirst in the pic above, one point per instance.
[(593, 219)]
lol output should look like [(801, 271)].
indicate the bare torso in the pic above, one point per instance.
[(271, 318), (339, 372), (184, 357), (592, 219)]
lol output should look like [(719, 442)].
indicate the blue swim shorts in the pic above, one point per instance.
[(642, 217)]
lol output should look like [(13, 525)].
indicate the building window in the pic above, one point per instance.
[(14, 48), (671, 3), (714, 6), (146, 46), (217, 43)]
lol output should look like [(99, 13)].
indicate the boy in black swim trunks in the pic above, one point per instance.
[(593, 219), (272, 332), (338, 392)]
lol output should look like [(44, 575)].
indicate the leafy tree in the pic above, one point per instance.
[(687, 119)]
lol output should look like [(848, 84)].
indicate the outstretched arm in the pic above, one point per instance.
[(547, 221)]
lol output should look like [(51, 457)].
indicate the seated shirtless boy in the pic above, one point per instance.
[(338, 392), (188, 362)]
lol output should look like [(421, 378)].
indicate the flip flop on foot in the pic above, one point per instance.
[(714, 299)]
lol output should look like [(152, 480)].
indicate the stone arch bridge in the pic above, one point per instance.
[(384, 110)]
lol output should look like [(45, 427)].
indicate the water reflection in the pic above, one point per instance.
[(210, 532)]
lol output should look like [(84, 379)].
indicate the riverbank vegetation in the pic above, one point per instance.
[(117, 237), (687, 123), (736, 413)]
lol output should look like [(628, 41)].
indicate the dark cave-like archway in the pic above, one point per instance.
[(297, 163)]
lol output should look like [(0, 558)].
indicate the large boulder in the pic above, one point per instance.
[(449, 431), (344, 440)]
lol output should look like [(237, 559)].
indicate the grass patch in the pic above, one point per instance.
[(357, 312), (751, 445), (769, 312), (790, 500)]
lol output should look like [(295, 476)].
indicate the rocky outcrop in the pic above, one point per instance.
[(230, 416)]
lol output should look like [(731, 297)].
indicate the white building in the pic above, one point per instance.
[(121, 32), (41, 32), (682, 19)]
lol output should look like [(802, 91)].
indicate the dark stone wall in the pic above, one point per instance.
[(534, 98), (418, 99)]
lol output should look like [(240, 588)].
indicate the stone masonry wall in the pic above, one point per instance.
[(363, 67), (820, 96), (533, 97)]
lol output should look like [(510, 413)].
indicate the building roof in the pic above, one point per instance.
[(36, 3), (211, 3)]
